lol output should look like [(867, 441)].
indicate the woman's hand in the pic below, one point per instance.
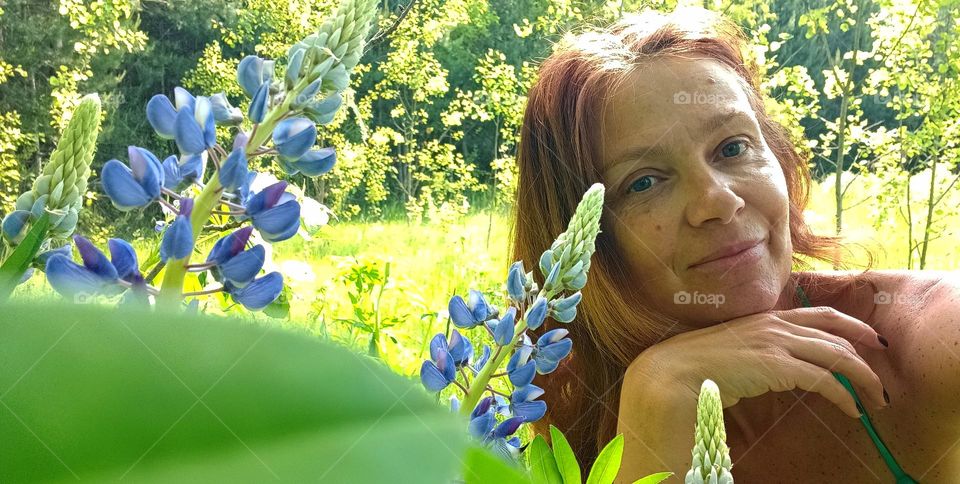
[(768, 352)]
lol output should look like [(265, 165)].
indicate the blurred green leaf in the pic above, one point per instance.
[(98, 393), (483, 467)]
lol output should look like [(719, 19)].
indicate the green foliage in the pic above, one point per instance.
[(566, 460), (541, 462), (18, 262), (481, 467), (559, 465), (367, 283), (146, 397)]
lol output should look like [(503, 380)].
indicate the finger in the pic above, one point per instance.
[(836, 356), (826, 318), (813, 378)]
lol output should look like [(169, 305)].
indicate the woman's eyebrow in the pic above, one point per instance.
[(658, 150)]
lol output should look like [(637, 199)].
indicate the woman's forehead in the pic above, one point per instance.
[(692, 94)]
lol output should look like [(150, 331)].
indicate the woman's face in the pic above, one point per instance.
[(689, 174)]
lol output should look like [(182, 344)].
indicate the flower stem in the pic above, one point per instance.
[(483, 378), (171, 292)]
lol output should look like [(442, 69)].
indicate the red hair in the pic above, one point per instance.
[(558, 160)]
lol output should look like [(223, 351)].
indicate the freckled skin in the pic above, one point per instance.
[(700, 199), (695, 200)]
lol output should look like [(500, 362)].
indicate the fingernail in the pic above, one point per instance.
[(883, 340), (886, 396)]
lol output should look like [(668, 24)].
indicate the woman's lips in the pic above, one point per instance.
[(746, 257)]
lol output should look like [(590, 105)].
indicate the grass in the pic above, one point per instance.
[(430, 263)]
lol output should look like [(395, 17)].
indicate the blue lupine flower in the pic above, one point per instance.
[(177, 241), (460, 349), (194, 132), (252, 72), (537, 313), (97, 275), (177, 175), (294, 136), (234, 262), (274, 212), (191, 123), (259, 293), (552, 347), (223, 112), (484, 427), (44, 256), (259, 104), (520, 369), (439, 371), (133, 187), (524, 403), (124, 260), (470, 313), (234, 172), (503, 331), (477, 365), (15, 224), (312, 163), (565, 310), (516, 279)]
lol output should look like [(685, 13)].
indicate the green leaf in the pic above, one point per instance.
[(19, 261), (566, 459), (654, 478), (100, 393), (483, 467), (607, 465), (543, 467)]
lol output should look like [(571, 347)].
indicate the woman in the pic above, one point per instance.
[(692, 278)]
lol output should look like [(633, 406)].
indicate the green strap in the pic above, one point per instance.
[(898, 472)]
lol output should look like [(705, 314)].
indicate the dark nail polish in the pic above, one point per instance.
[(886, 396), (883, 340)]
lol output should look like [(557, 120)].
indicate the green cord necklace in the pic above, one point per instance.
[(898, 472)]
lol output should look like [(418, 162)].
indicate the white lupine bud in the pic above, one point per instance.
[(711, 457)]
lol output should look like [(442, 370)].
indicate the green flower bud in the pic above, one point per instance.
[(573, 248), (64, 178), (711, 457)]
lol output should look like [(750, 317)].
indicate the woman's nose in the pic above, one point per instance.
[(711, 198)]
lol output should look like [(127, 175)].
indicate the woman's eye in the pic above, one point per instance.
[(641, 184), (733, 148)]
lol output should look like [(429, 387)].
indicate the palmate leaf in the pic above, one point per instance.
[(97, 393), (20, 259)]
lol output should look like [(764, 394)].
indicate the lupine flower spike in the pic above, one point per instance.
[(528, 307), (284, 111), (711, 457)]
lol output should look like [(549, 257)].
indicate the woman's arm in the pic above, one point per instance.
[(656, 418)]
